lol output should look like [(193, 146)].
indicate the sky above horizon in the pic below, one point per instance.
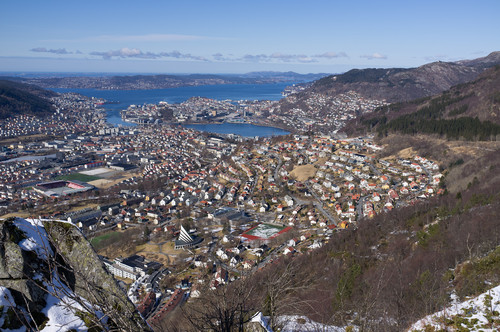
[(241, 36)]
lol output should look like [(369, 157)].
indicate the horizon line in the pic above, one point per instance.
[(159, 73)]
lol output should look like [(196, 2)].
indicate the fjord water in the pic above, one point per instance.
[(242, 129), (124, 98)]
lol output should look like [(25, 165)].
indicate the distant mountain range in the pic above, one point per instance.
[(288, 76), (139, 82), (401, 84), (19, 98)]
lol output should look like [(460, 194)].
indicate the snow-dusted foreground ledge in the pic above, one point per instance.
[(297, 323), (60, 308), (480, 313)]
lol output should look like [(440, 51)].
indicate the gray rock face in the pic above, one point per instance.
[(11, 255), (3, 263), (75, 263), (16, 269), (92, 280), (22, 289), (14, 260)]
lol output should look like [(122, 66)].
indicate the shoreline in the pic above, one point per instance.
[(286, 131), (256, 124)]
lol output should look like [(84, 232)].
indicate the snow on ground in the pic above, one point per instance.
[(58, 313), (472, 314), (262, 320), (296, 324), (36, 237), (61, 308), (304, 324), (7, 301)]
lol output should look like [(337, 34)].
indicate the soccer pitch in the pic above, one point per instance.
[(265, 231)]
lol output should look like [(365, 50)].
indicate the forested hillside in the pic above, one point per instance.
[(18, 98), (467, 111)]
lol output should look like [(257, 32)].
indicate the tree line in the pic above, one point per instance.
[(430, 120)]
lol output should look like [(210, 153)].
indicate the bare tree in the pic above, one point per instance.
[(225, 309), (281, 291)]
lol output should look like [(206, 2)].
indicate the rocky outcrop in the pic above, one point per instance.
[(15, 267), (11, 261), (91, 279), (44, 262)]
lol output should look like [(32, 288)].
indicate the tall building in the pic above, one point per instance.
[(187, 240)]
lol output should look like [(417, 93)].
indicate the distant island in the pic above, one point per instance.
[(143, 82)]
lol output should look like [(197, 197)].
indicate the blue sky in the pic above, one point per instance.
[(241, 36)]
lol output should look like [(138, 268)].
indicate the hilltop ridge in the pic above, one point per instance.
[(328, 104), (401, 84)]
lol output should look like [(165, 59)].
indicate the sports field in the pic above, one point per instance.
[(265, 232), (97, 171), (78, 177), (96, 242)]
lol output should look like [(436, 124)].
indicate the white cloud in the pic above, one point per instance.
[(122, 53), (373, 56), (54, 51), (331, 55), (284, 57), (254, 58), (179, 55), (136, 53), (274, 57), (292, 57), (129, 52), (219, 57), (306, 59)]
